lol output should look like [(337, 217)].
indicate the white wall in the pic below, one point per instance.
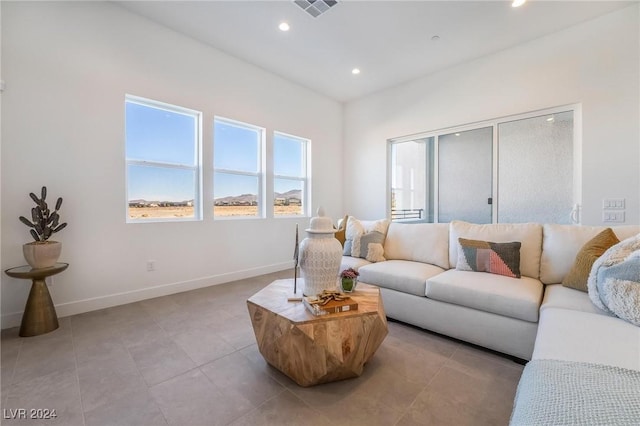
[(67, 68), (595, 64)]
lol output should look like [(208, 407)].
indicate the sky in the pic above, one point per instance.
[(154, 134)]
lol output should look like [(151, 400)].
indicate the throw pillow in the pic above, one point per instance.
[(592, 250), (342, 230), (485, 256), (373, 237), (614, 280), (375, 253), (360, 234), (347, 248)]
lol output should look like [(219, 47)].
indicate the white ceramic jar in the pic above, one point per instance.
[(320, 256)]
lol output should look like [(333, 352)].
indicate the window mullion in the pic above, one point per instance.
[(161, 164)]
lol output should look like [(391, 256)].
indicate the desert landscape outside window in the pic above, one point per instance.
[(163, 145), (290, 175), (238, 169)]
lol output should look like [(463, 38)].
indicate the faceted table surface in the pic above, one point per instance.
[(316, 349)]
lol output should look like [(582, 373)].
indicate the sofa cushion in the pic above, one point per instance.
[(584, 337), (352, 262), (589, 253), (420, 242), (401, 275), (529, 234), (561, 244), (486, 256), (626, 231), (511, 297), (561, 297)]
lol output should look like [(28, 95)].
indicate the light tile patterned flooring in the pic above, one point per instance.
[(191, 359)]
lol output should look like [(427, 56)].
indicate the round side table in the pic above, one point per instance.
[(39, 313)]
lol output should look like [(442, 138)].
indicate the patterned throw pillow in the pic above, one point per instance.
[(592, 250), (375, 253), (485, 256), (373, 237), (363, 235)]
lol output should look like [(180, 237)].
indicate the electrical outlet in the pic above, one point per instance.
[(613, 216), (151, 265)]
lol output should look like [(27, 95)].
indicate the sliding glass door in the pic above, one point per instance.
[(535, 169), (522, 168), (465, 176)]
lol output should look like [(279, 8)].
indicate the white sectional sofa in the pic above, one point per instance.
[(533, 317), (420, 284)]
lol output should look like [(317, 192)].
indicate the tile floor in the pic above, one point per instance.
[(191, 359)]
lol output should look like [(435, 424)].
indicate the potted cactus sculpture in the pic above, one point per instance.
[(43, 253)]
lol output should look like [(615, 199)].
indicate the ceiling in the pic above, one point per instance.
[(389, 41)]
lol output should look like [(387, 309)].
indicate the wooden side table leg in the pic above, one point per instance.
[(39, 313)]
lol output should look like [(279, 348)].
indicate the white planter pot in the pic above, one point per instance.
[(42, 254)]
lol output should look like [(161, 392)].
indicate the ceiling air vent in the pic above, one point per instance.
[(315, 8)]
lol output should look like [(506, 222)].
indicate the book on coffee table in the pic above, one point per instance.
[(331, 307)]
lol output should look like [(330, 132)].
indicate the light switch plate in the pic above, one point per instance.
[(613, 203)]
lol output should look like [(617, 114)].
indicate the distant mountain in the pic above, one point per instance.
[(252, 199), (294, 193), (244, 199), (143, 202), (237, 199)]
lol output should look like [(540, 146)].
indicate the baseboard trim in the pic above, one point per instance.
[(101, 302)]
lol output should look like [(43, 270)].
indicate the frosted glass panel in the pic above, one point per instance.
[(535, 169), (411, 185), (465, 174)]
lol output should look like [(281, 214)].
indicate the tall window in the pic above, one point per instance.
[(290, 170), (163, 161), (412, 172), (513, 169), (238, 164)]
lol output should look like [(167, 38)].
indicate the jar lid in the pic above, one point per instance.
[(320, 224)]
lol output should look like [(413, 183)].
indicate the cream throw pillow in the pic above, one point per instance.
[(375, 253)]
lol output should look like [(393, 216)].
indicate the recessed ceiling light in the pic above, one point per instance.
[(518, 3), (284, 26), (355, 71), (435, 38), (457, 134), (550, 118)]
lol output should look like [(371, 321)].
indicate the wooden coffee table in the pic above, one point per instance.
[(316, 349)]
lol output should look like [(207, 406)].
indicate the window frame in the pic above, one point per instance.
[(305, 178), (195, 167), (409, 214), (495, 122), (260, 173)]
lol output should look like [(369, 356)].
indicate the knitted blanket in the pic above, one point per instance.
[(554, 392), (614, 281)]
